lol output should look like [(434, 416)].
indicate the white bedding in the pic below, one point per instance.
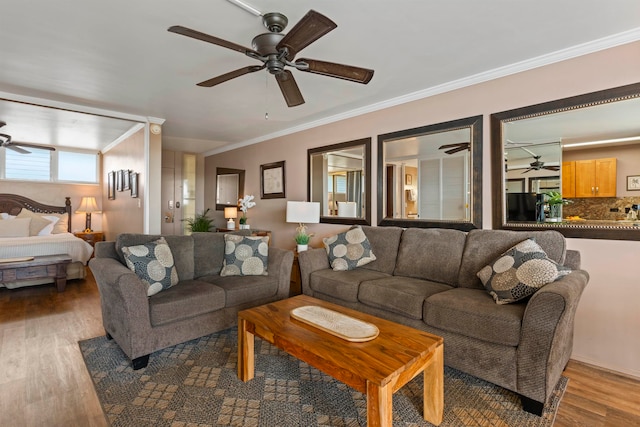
[(52, 244)]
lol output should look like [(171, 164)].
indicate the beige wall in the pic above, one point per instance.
[(125, 214), (54, 194), (606, 331)]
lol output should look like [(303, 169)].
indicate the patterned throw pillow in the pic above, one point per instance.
[(245, 255), (153, 263), (520, 272), (348, 250)]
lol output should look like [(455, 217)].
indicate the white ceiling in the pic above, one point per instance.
[(117, 56)]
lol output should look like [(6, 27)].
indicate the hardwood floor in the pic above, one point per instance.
[(44, 382)]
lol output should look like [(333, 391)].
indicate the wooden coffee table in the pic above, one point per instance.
[(377, 368)]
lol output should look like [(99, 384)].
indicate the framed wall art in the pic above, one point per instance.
[(111, 184), (633, 183), (126, 179), (133, 177), (119, 179), (272, 181)]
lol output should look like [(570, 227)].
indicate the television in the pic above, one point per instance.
[(521, 206)]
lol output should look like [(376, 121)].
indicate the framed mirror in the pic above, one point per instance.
[(431, 176), (339, 178), (229, 187), (575, 157)]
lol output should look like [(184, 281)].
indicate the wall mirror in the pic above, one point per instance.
[(431, 176), (586, 148), (229, 187), (339, 178)]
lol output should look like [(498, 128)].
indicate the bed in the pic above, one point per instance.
[(54, 238)]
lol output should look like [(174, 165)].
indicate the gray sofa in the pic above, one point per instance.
[(426, 278), (201, 303)]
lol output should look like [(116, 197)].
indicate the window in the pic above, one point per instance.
[(50, 166)]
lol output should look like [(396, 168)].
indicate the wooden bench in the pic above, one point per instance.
[(39, 267)]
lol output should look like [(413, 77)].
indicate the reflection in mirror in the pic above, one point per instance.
[(229, 187), (430, 176), (585, 148), (339, 179)]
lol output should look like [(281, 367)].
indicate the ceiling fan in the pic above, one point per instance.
[(456, 147), (5, 141), (536, 165), (277, 51)]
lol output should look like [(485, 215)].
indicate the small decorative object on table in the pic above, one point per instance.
[(555, 201), (303, 212), (245, 204)]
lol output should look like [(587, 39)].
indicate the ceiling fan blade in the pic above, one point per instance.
[(17, 149), (340, 71), (455, 150), (16, 144), (551, 168), (231, 75), (289, 88), (178, 29), (310, 28), (529, 170)]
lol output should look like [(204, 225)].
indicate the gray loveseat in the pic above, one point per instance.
[(426, 278), (203, 302)]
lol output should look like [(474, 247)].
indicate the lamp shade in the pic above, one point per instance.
[(88, 205), (303, 212), (230, 213)]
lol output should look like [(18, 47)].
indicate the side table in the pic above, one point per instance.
[(91, 237)]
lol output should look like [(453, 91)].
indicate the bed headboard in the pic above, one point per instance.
[(13, 204)]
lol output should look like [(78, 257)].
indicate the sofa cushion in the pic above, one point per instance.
[(342, 284), (189, 299), (245, 255), (402, 295), (384, 243), (244, 289), (520, 272), (473, 313), (153, 264), (208, 253), (431, 254), (484, 246), (181, 249), (349, 249)]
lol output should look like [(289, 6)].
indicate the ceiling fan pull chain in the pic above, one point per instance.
[(266, 96)]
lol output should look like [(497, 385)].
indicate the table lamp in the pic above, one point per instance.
[(231, 214), (303, 213), (88, 206)]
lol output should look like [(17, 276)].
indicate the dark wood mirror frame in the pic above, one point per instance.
[(475, 123), (366, 144), (497, 163), (228, 171)]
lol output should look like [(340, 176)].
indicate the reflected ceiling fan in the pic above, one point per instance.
[(456, 147), (277, 51), (536, 165), (6, 142)]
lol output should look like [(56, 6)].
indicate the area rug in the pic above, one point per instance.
[(196, 384)]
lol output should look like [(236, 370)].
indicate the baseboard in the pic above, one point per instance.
[(634, 375)]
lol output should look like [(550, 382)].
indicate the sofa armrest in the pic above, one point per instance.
[(280, 264), (311, 260), (546, 339), (124, 303), (573, 259)]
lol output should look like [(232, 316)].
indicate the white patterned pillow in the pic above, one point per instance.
[(349, 249), (153, 263), (520, 272), (245, 255)]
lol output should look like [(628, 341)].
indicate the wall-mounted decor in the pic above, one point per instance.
[(407, 179), (633, 182), (119, 179), (111, 185), (126, 179), (272, 181), (133, 177)]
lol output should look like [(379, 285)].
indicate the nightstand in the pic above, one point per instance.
[(90, 237)]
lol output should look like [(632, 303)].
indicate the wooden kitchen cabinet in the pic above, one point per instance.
[(568, 179), (594, 178)]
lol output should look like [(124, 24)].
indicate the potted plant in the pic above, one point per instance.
[(555, 202), (302, 238), (201, 222), (245, 204)]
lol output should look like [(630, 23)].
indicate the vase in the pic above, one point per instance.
[(302, 248), (555, 212), (245, 227)]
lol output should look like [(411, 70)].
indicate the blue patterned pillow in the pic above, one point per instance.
[(349, 250), (245, 255), (153, 263), (520, 272)]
